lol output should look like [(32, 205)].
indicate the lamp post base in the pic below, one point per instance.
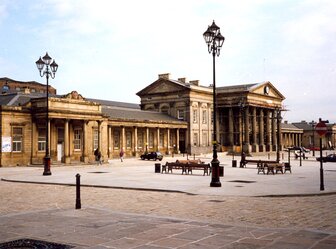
[(215, 182), (47, 171)]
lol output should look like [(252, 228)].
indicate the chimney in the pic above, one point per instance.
[(164, 76), (183, 80), (194, 82)]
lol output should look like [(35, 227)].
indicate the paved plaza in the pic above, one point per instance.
[(128, 205)]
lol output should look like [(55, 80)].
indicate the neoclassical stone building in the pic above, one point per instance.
[(77, 126), (174, 116), (248, 115)]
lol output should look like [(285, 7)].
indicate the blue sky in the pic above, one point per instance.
[(112, 49)]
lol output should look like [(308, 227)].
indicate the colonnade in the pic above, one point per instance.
[(253, 127), (137, 140)]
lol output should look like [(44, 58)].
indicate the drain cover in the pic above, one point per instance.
[(34, 244), (98, 172), (243, 181)]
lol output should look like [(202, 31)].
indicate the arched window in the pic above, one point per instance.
[(165, 109)]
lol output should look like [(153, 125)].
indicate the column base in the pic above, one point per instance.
[(268, 147), (67, 159), (262, 148), (84, 159), (255, 148)]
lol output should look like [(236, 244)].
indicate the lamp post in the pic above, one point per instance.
[(50, 71), (241, 105), (313, 130), (214, 40), (278, 117)]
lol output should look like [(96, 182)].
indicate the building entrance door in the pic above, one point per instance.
[(60, 143), (182, 146), (59, 152)]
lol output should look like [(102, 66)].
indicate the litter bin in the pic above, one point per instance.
[(158, 168), (234, 163), (221, 171)]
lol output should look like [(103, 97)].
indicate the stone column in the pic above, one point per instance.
[(247, 147), (147, 140), (268, 131), (255, 147), (274, 130), (178, 140), (158, 138), (99, 135), (123, 139), (200, 123), (84, 157), (280, 133), (66, 142), (231, 127), (109, 134), (261, 131), (135, 145), (168, 141)]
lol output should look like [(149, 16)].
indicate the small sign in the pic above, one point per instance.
[(6, 143), (321, 128)]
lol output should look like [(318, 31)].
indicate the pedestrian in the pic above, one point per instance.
[(97, 154), (121, 154)]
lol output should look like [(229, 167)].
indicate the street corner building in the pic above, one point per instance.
[(174, 116)]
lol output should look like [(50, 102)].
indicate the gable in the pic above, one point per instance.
[(162, 86), (266, 89)]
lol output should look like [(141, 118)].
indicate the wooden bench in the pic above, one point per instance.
[(244, 162), (187, 166), (199, 166), (174, 165), (274, 168)]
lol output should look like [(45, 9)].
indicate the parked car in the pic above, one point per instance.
[(299, 148), (328, 158), (152, 155)]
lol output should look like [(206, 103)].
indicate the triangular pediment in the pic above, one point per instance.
[(162, 86), (266, 89)]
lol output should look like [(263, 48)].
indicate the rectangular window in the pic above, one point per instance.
[(195, 116), (212, 117), (128, 140), (95, 139), (77, 139), (204, 117), (17, 139), (116, 139), (204, 139), (195, 140), (41, 144), (180, 114)]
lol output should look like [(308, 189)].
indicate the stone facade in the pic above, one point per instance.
[(174, 116), (248, 116), (78, 126)]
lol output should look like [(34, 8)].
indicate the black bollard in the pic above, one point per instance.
[(78, 200)]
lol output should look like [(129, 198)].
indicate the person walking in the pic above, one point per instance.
[(121, 154), (97, 154)]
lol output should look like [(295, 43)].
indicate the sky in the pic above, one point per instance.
[(112, 49)]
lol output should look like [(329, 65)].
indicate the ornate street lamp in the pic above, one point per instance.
[(214, 40), (50, 70), (313, 124)]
